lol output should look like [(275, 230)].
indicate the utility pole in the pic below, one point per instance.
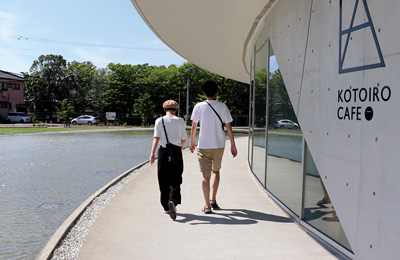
[(179, 102), (187, 101)]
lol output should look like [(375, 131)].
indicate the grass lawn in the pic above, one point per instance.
[(24, 130), (286, 131)]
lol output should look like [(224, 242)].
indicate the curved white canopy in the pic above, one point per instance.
[(211, 34)]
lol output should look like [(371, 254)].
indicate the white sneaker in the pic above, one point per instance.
[(172, 210)]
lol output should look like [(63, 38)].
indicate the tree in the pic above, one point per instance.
[(121, 88), (66, 110), (96, 92), (124, 86), (279, 101), (46, 86), (80, 78), (260, 93), (144, 107), (163, 84)]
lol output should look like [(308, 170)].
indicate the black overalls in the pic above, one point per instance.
[(170, 176)]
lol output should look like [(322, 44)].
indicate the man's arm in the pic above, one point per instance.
[(232, 139), (192, 137), (183, 133), (153, 149)]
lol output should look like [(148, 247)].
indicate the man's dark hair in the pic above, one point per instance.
[(210, 88)]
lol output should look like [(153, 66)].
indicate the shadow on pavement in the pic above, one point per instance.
[(230, 217)]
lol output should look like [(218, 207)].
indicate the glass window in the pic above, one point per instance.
[(284, 167), (260, 108), (276, 148), (250, 154), (14, 86), (318, 209)]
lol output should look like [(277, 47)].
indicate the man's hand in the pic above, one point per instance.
[(233, 151), (192, 147)]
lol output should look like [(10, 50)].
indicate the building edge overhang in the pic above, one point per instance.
[(215, 36), (254, 33)]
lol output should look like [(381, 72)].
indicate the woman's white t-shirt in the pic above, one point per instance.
[(175, 127)]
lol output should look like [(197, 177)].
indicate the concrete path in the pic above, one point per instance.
[(249, 226)]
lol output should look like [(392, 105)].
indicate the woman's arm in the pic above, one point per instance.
[(153, 149)]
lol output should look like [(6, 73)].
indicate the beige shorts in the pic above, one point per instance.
[(210, 159)]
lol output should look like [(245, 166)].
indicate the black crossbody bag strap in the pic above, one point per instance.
[(169, 145), (165, 131), (217, 115)]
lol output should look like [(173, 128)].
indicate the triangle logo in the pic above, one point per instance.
[(360, 26)]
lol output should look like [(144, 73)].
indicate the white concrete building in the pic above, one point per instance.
[(340, 62)]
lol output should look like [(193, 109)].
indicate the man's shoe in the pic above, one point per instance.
[(172, 210), (214, 204)]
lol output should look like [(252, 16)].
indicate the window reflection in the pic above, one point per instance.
[(318, 209), (284, 168), (251, 123), (260, 97), (276, 148)]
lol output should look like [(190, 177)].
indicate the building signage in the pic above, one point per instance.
[(111, 116), (357, 103)]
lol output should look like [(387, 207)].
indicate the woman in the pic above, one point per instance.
[(170, 132)]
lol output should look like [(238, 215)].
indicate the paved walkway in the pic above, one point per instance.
[(249, 226)]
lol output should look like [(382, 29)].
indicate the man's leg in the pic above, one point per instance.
[(215, 179), (206, 188), (214, 185)]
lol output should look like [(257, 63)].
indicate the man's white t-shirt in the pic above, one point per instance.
[(175, 127), (211, 134)]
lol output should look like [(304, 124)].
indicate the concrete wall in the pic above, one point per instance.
[(358, 156)]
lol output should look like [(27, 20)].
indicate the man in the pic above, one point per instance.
[(169, 130), (211, 114)]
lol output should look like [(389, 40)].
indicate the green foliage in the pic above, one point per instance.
[(66, 111), (138, 90), (80, 77), (46, 83), (279, 103), (144, 107)]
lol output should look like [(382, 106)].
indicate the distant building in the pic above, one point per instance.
[(11, 93)]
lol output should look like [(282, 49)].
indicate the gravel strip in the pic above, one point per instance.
[(69, 246)]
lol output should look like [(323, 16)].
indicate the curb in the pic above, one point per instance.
[(62, 231)]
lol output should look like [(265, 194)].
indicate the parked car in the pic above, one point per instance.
[(285, 123), (18, 117), (85, 120)]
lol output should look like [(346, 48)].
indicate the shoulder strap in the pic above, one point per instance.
[(165, 131), (217, 115)]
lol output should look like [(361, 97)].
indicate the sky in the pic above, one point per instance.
[(100, 31)]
